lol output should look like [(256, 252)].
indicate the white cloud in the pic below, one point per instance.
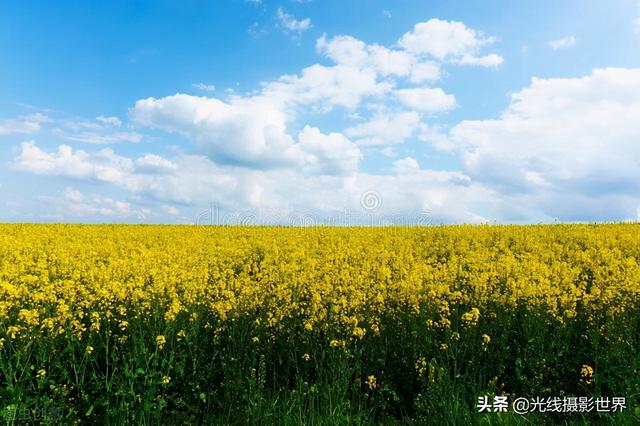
[(152, 163), (449, 40), (79, 205), (331, 154), (177, 180), (101, 139), (430, 101), (198, 181), (250, 132), (349, 51), (111, 121), (425, 71), (171, 210), (434, 135), (406, 165), (263, 150), (388, 151), (491, 60), (102, 131), (24, 125), (322, 88), (245, 130), (562, 43), (290, 22), (441, 196), (636, 25), (104, 165), (71, 194), (385, 129), (205, 87), (568, 144)]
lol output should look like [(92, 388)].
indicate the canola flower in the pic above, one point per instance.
[(471, 317), (330, 280), (421, 366), (586, 374), (372, 382), (234, 294), (161, 341)]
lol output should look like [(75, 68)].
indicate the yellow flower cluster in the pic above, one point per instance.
[(586, 374), (471, 317), (372, 382), (161, 341), (341, 283)]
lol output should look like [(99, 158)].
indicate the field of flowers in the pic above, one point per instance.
[(255, 325)]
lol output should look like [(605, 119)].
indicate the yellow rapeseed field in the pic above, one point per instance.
[(111, 321)]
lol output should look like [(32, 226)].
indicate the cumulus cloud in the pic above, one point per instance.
[(263, 149), (569, 144), (80, 205), (171, 210), (436, 137), (177, 180), (349, 51), (324, 87), (246, 131), (111, 121), (24, 125), (562, 43), (449, 40), (385, 128), (205, 87), (252, 130), (290, 22), (406, 165), (491, 60), (388, 151), (152, 163), (331, 154), (196, 180), (426, 100), (425, 71), (104, 165), (438, 196)]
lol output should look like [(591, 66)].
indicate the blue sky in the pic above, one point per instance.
[(458, 111)]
